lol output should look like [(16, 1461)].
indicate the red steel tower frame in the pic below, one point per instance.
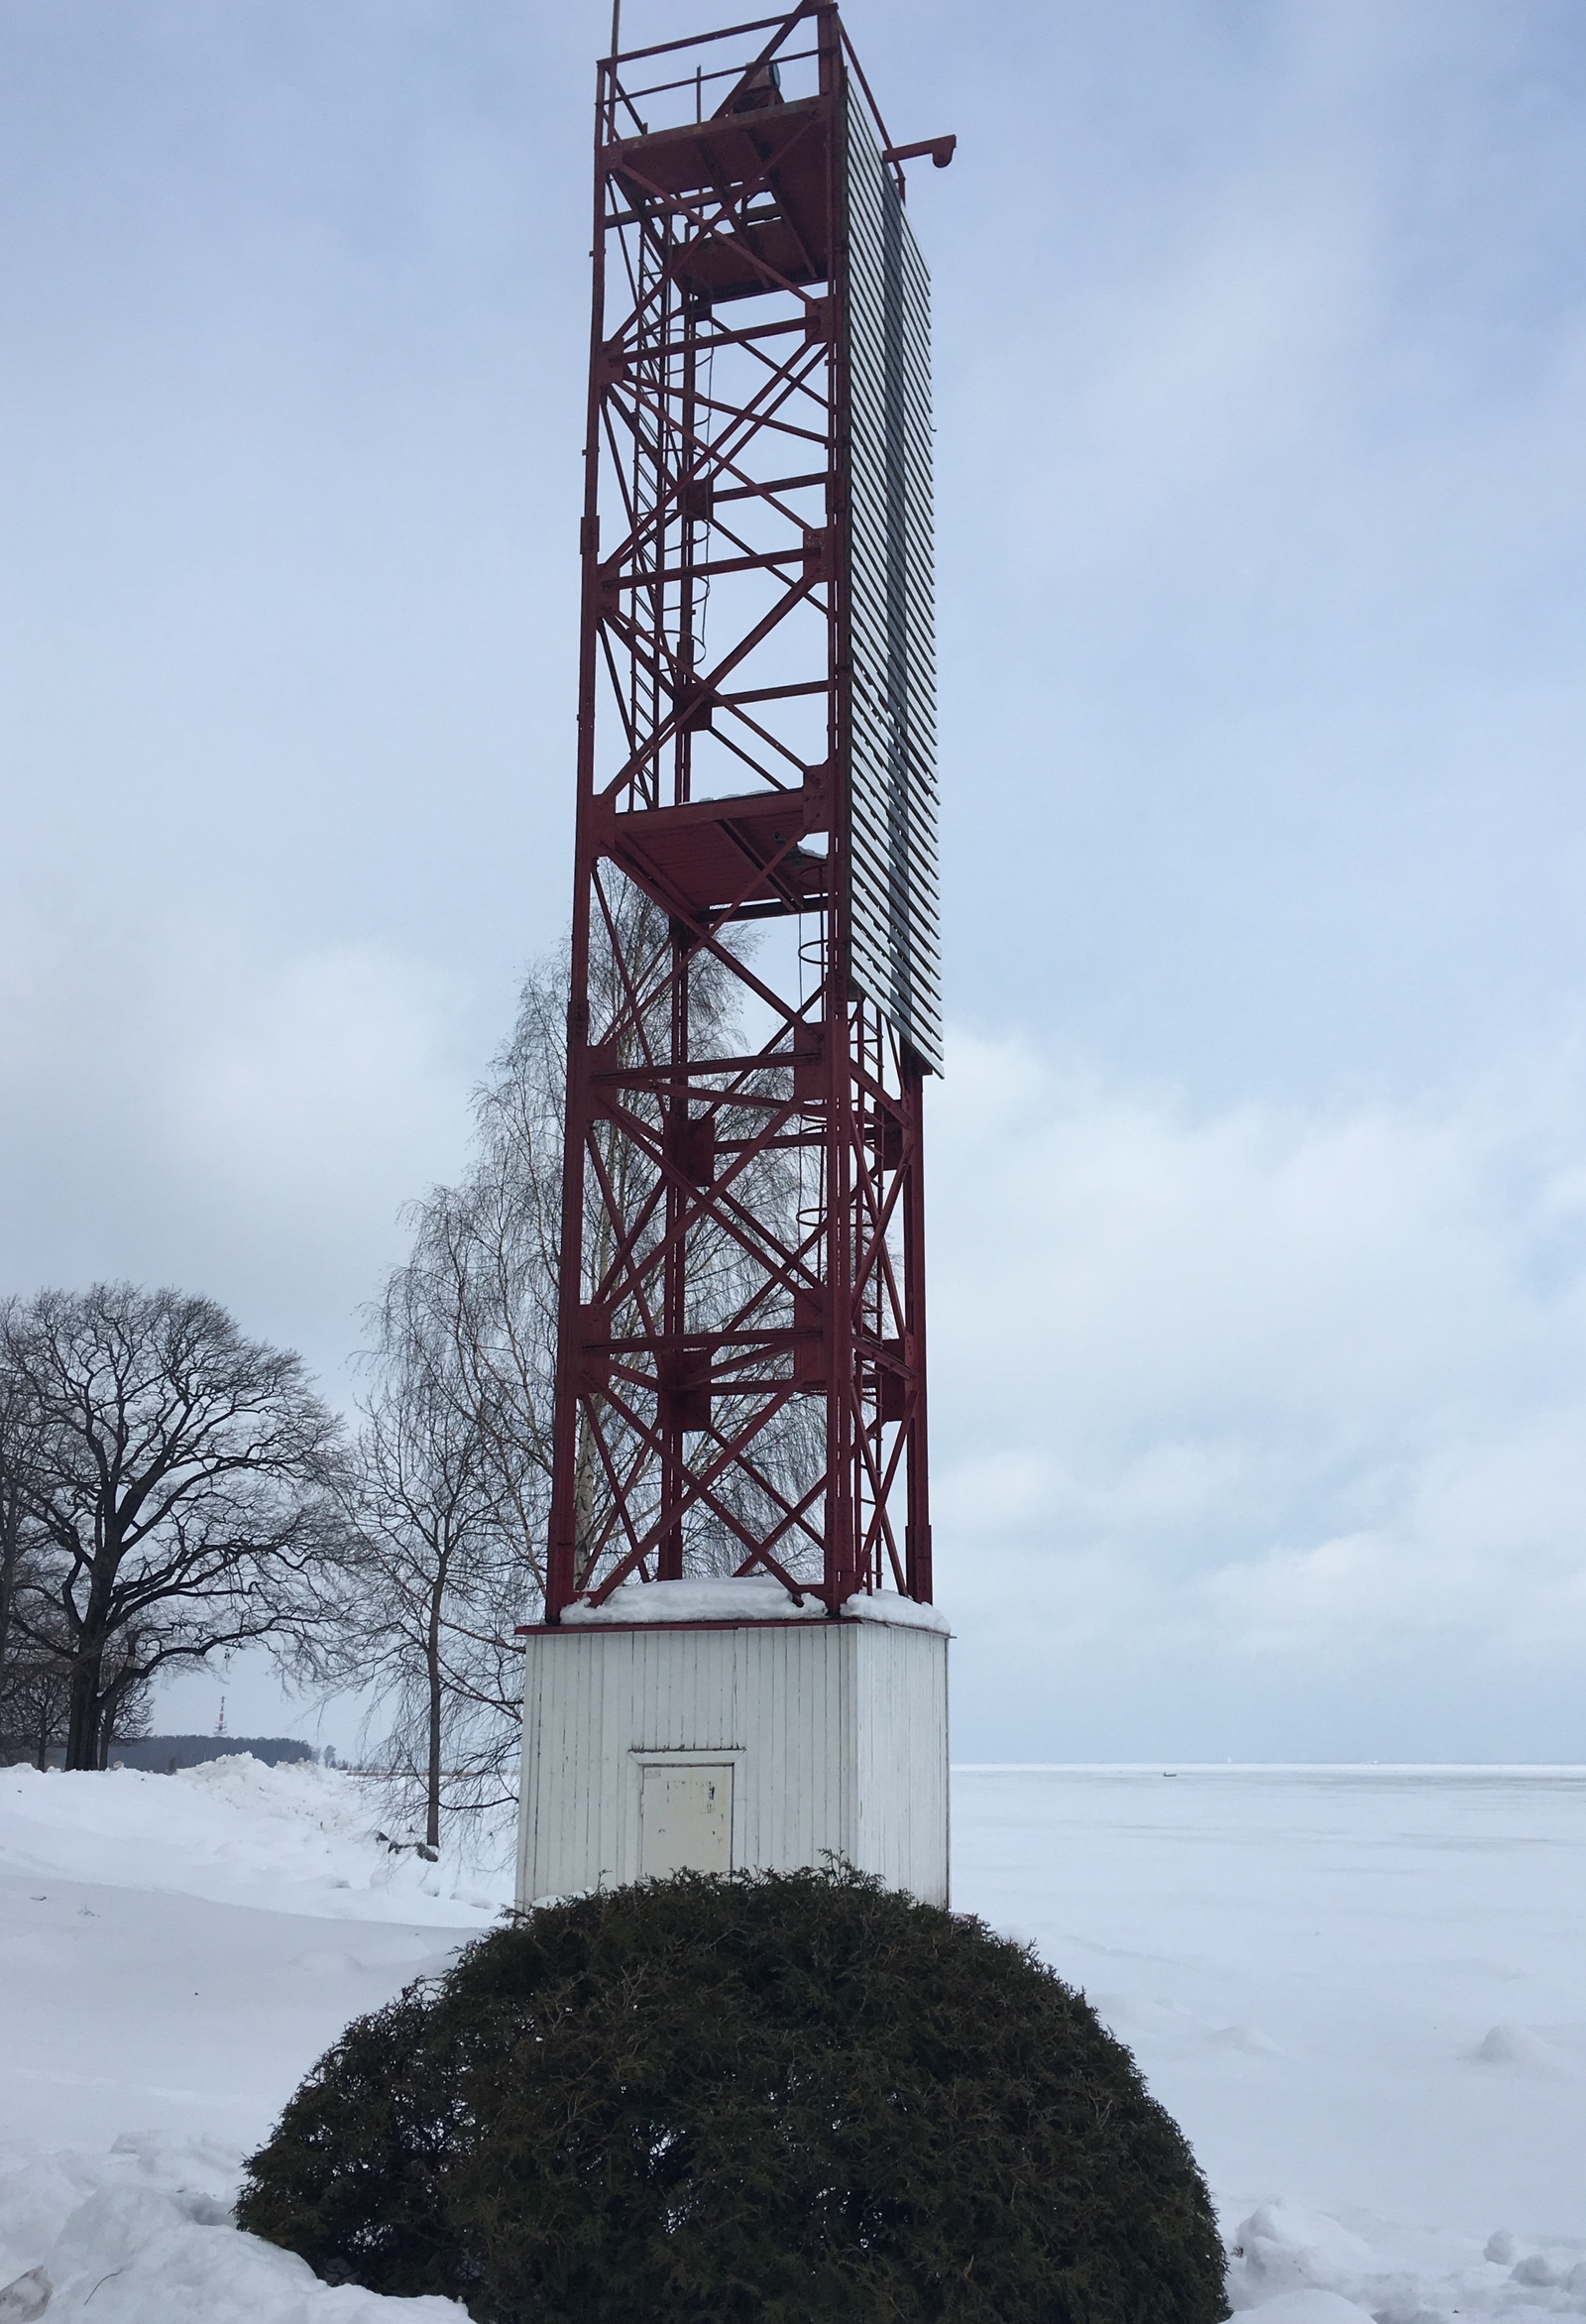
[(741, 1370)]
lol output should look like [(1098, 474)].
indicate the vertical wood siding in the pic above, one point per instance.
[(836, 1732)]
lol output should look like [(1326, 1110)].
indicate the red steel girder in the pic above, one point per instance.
[(741, 1369)]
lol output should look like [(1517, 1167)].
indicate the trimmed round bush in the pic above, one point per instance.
[(780, 2097)]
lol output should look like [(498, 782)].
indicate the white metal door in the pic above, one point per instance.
[(687, 1819)]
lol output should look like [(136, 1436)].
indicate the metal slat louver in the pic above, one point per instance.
[(894, 953)]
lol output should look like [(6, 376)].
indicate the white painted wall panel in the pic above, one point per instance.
[(836, 1733)]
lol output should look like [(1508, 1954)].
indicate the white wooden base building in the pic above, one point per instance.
[(713, 1725)]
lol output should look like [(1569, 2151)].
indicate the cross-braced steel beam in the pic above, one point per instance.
[(741, 1379)]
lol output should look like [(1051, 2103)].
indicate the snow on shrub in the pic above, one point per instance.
[(772, 2096)]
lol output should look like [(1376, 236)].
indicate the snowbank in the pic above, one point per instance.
[(174, 1953), (751, 1597), (1294, 2265), (145, 2234), (299, 1838), (1357, 1989)]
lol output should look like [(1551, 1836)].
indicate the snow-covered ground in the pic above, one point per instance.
[(175, 1951), (1357, 1988)]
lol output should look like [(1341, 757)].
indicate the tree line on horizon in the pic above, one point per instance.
[(173, 1490)]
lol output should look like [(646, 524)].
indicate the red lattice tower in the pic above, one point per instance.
[(740, 1376)]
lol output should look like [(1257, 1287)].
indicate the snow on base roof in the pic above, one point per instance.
[(753, 1597), (887, 1607)]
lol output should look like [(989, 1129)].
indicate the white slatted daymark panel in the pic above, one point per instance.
[(894, 944)]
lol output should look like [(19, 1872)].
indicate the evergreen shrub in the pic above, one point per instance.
[(792, 2098)]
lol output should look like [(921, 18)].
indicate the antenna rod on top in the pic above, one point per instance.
[(616, 25)]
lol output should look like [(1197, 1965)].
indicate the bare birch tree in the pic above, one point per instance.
[(430, 1618), (455, 1459)]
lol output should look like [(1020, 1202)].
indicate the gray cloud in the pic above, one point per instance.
[(1241, 1411)]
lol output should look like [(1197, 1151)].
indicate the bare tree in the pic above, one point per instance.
[(488, 1251), (36, 1684), (425, 1618), (455, 1455), (511, 1212), (34, 1706), (178, 1489), (19, 1431)]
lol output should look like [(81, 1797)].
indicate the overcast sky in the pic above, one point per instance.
[(1258, 1177)]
